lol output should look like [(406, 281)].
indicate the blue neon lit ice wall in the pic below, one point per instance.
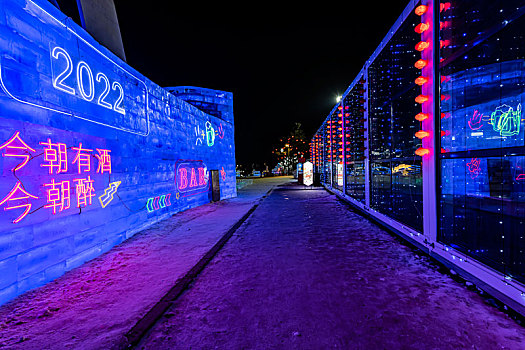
[(92, 151)]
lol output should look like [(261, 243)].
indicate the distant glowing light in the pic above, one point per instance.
[(422, 45), (420, 64), (421, 80), (421, 134), (422, 99), (420, 10), (338, 99), (422, 116), (444, 6), (422, 151), (421, 27)]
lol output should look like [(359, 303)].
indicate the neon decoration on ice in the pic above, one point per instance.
[(191, 177), (475, 122), (84, 75), (159, 202), (17, 145), (506, 121), (18, 193), (73, 72), (57, 192), (58, 195), (208, 134), (107, 197), (474, 167), (55, 156)]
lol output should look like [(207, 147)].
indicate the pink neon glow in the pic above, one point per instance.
[(104, 161), (55, 156), (202, 180), (11, 144), (183, 178), (85, 191), (59, 195), (156, 203), (520, 177), (83, 159), (474, 122), (220, 131), (443, 43), (14, 196), (444, 6), (168, 201), (193, 178), (474, 168)]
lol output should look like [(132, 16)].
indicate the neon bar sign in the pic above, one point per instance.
[(55, 159), (191, 177), (67, 74)]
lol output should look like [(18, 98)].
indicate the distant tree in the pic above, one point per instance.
[(291, 148)]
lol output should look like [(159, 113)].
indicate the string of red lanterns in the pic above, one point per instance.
[(422, 80)]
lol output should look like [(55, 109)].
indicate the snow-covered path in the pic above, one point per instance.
[(93, 306), (305, 272)]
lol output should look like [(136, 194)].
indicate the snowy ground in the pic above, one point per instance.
[(93, 306), (305, 272)]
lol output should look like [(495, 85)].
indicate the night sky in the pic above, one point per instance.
[(283, 64)]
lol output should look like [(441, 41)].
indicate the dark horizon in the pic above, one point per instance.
[(282, 65)]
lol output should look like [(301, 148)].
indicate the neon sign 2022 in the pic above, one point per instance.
[(71, 76), (84, 74)]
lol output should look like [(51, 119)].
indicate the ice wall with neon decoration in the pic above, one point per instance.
[(482, 82), (92, 151)]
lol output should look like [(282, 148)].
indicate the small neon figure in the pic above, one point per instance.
[(506, 121), (104, 161), (82, 159), (474, 122), (85, 191), (18, 193), (223, 174), (14, 146), (200, 135), (220, 131), (59, 195), (107, 197), (210, 134), (55, 154), (474, 168)]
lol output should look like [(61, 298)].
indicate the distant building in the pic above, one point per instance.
[(214, 102)]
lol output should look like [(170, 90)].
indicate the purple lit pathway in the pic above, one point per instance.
[(93, 306), (305, 272)]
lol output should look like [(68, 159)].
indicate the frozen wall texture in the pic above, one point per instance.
[(92, 151)]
